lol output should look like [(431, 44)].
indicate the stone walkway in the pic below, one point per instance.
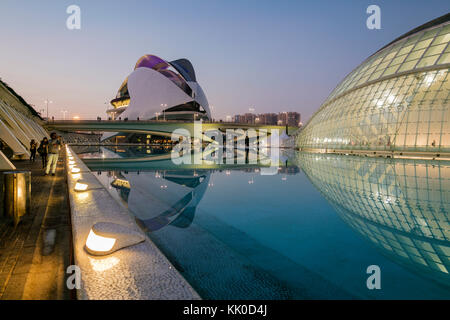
[(35, 254)]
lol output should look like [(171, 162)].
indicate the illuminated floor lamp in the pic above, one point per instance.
[(107, 237)]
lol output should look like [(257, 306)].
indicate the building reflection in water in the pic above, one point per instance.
[(401, 206), (160, 198)]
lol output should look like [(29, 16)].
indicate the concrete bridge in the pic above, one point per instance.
[(162, 127)]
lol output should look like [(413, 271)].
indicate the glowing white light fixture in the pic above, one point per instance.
[(97, 243), (80, 185), (76, 176), (107, 237), (75, 170), (71, 162)]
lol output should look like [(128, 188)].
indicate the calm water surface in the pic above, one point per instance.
[(310, 231)]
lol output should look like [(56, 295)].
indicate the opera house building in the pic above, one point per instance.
[(397, 100), (160, 90)]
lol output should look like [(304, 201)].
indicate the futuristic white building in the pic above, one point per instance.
[(397, 100), (160, 90)]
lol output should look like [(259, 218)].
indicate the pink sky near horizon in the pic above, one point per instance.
[(273, 56)]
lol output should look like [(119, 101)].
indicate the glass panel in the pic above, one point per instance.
[(435, 50), (429, 34), (423, 44), (415, 55), (445, 38), (405, 50), (425, 62), (398, 60), (407, 66), (444, 59)]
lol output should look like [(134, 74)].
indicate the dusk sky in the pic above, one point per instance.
[(270, 55)]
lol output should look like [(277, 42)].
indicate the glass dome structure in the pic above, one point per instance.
[(396, 100)]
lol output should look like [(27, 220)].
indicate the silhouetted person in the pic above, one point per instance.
[(43, 151), (33, 147)]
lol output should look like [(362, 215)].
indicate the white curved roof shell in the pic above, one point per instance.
[(148, 90)]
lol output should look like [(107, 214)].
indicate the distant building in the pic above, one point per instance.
[(266, 118), (290, 118)]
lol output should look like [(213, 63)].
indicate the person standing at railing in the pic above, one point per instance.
[(54, 145)]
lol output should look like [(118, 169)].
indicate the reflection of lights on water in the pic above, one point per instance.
[(284, 178), (104, 264), (251, 181), (227, 172), (163, 186)]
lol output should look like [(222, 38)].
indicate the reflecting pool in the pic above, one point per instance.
[(307, 232)]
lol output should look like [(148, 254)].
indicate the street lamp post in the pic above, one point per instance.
[(47, 101), (252, 109), (64, 114), (164, 106)]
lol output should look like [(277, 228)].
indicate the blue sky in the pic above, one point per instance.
[(270, 55)]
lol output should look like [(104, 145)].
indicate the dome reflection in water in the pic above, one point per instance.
[(401, 206), (162, 197)]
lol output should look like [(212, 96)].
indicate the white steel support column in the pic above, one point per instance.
[(11, 140), (18, 132), (5, 164)]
